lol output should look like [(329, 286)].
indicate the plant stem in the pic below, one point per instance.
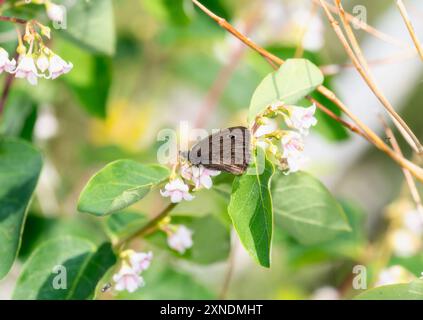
[(13, 20), (149, 227), (369, 29), (6, 90), (410, 28), (408, 177), (274, 60), (356, 56)]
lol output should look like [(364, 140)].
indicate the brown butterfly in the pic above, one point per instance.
[(227, 150)]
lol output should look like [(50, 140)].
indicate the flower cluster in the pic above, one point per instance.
[(178, 188), (35, 60), (129, 276), (298, 121)]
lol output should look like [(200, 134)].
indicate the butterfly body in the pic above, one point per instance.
[(228, 150)]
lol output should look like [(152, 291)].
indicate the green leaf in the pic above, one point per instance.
[(290, 83), (306, 210), (407, 291), (164, 282), (91, 25), (39, 229), (211, 239), (250, 209), (83, 262), (118, 185), (20, 166)]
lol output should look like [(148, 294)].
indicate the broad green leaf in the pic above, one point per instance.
[(118, 185), (20, 166), (211, 239), (290, 83), (91, 25), (326, 126), (407, 291), (82, 263), (164, 282), (306, 210), (250, 209), (39, 229)]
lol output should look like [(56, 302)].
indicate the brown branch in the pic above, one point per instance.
[(410, 28), (13, 20), (363, 70), (367, 28), (408, 177), (414, 169), (149, 227)]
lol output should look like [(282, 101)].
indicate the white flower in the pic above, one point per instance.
[(413, 220), (140, 261), (177, 190), (55, 12), (392, 275), (301, 118), (127, 279), (180, 239), (43, 63), (6, 64), (326, 293), (201, 176), (405, 243), (293, 146), (26, 69), (46, 126), (58, 66), (186, 171), (292, 143), (268, 126)]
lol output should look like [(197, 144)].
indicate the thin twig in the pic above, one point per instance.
[(6, 91), (148, 228), (229, 271), (408, 177), (367, 28), (410, 28), (378, 142), (13, 20), (362, 69), (332, 69)]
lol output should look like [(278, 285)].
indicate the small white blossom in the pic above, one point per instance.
[(55, 12), (26, 69), (43, 63), (393, 275), (58, 66), (201, 176), (268, 126), (140, 261), (180, 239), (413, 220), (326, 293), (405, 243), (6, 64), (177, 190), (293, 146), (46, 126), (301, 118), (127, 279)]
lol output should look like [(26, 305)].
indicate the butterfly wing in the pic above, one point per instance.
[(228, 150)]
